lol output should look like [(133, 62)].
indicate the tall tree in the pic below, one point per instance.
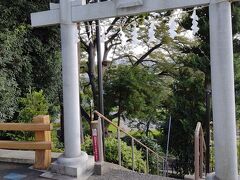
[(34, 58)]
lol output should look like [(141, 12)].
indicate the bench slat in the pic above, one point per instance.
[(25, 145), (25, 127)]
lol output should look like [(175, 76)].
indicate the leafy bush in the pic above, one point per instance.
[(34, 104), (152, 144), (8, 96), (57, 146), (111, 149)]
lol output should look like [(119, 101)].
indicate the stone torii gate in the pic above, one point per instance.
[(69, 12)]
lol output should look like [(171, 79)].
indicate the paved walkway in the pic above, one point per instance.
[(14, 171), (26, 157), (11, 169)]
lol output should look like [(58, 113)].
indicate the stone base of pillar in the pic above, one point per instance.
[(71, 168), (212, 176)]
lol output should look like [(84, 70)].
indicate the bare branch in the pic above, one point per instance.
[(141, 59)]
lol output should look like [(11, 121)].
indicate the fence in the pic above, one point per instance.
[(42, 144)]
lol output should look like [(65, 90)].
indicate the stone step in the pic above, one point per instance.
[(115, 172)]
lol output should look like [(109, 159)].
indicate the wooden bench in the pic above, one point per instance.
[(42, 144)]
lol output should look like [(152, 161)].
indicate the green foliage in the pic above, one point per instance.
[(111, 148), (187, 108), (150, 142), (112, 153), (29, 57), (11, 61), (134, 92), (112, 129), (87, 145), (57, 146), (237, 84), (8, 96), (33, 104)]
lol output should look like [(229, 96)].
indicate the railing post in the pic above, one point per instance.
[(42, 157), (201, 154), (196, 155), (132, 154), (95, 141), (119, 147), (157, 165), (100, 140), (163, 167), (147, 162), (96, 126)]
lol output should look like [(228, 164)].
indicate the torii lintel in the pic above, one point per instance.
[(109, 9)]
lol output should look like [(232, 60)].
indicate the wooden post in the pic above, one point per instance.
[(42, 157)]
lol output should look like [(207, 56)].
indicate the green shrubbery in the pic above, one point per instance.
[(150, 142), (32, 105), (111, 152), (57, 146)]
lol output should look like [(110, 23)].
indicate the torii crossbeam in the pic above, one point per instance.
[(69, 12)]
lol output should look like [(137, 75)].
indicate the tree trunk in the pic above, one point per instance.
[(147, 128), (119, 118), (92, 73)]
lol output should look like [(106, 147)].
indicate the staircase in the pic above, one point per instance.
[(160, 161), (116, 172)]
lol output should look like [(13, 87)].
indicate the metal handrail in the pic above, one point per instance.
[(132, 144), (199, 149)]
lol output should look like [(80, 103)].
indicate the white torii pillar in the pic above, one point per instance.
[(70, 76), (74, 162), (223, 96)]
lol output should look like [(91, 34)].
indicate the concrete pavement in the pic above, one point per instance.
[(14, 171), (14, 165)]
